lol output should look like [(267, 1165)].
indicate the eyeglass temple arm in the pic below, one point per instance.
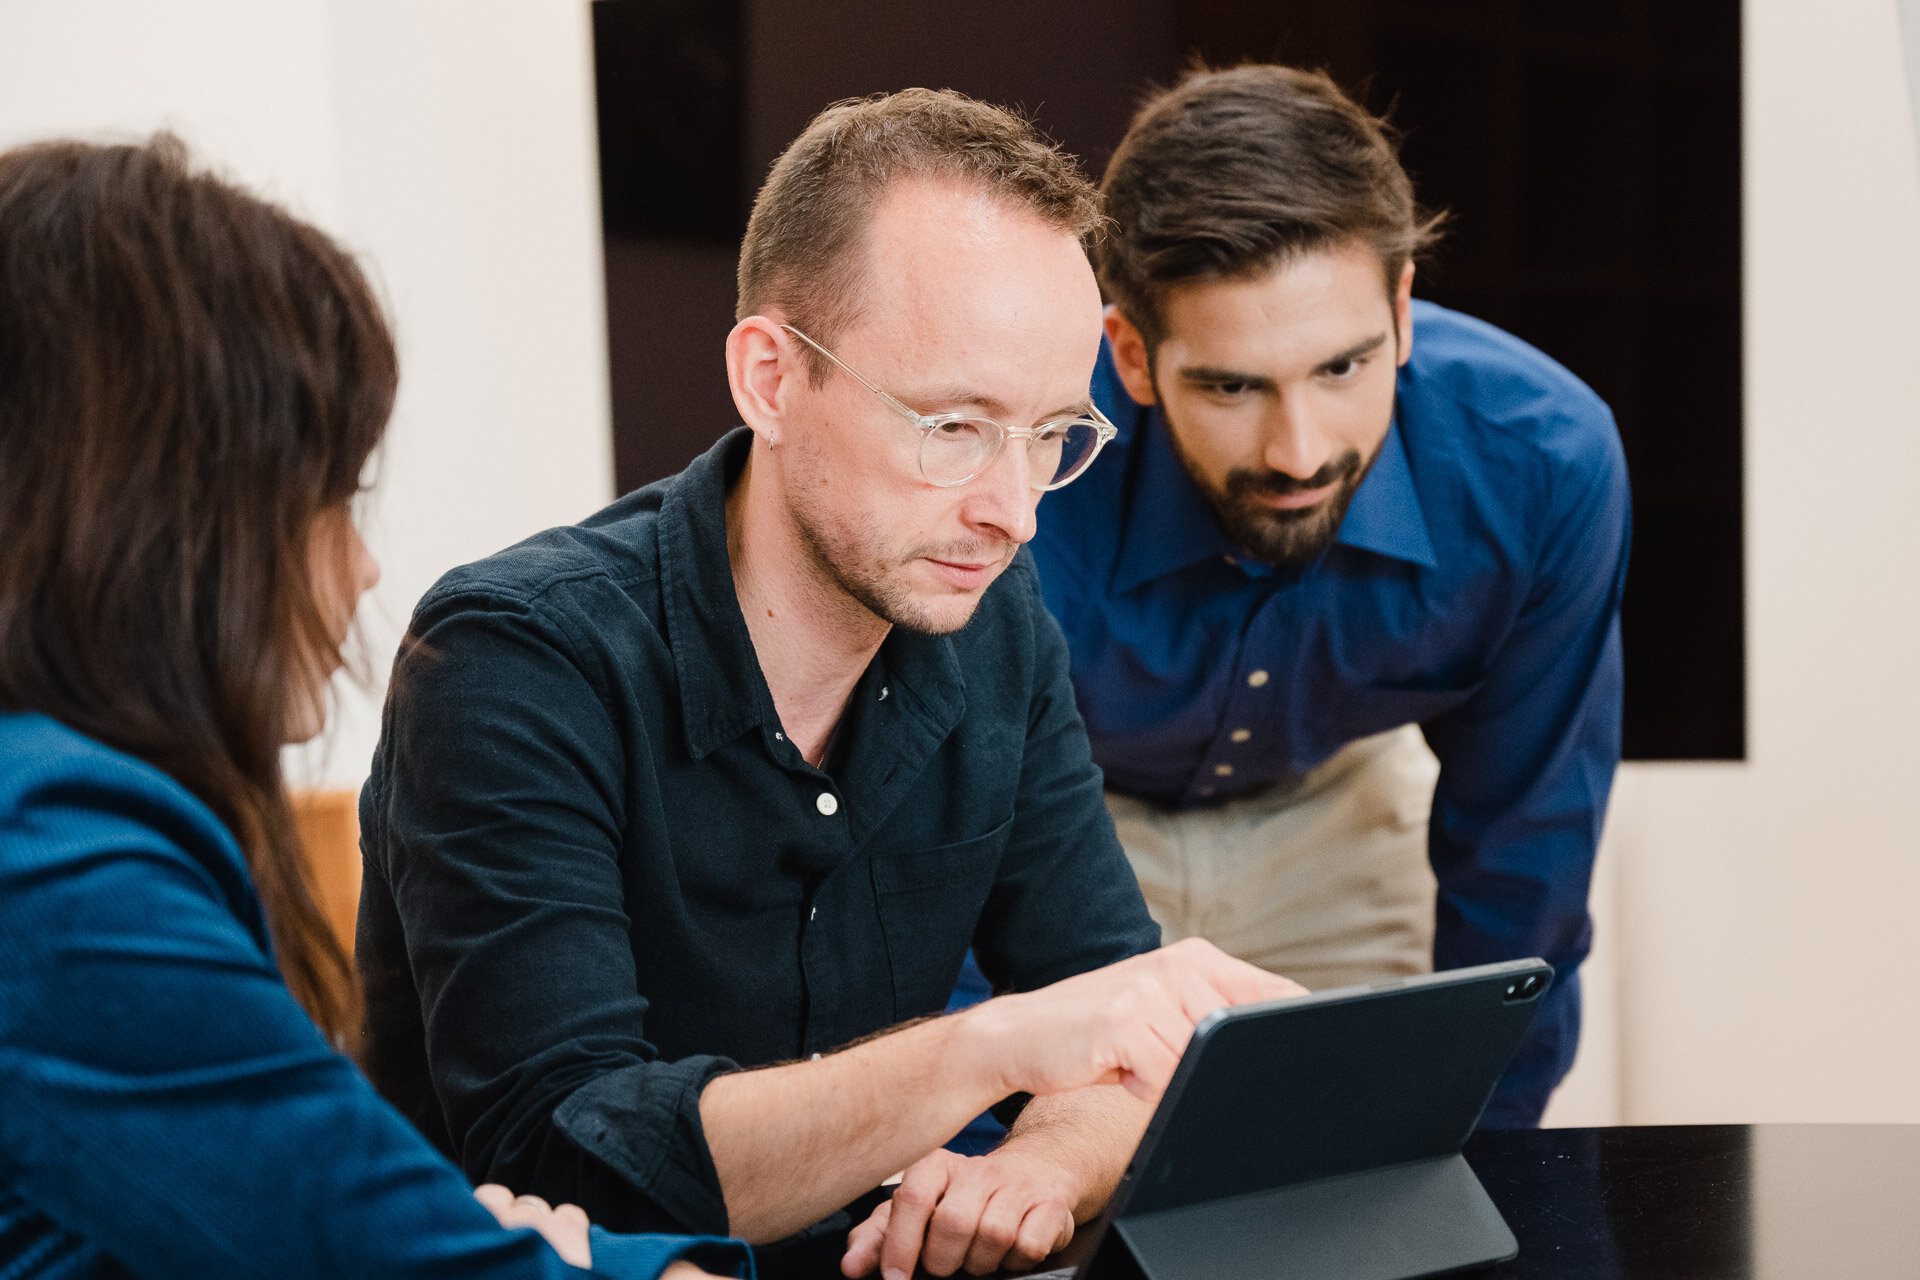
[(1107, 430), (895, 405)]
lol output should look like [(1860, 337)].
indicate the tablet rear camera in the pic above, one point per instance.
[(1524, 989)]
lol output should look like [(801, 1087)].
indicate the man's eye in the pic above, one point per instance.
[(1230, 390), (1342, 368)]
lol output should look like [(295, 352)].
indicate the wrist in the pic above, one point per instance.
[(1090, 1134), (981, 1043), (1046, 1161)]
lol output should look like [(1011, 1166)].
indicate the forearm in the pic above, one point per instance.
[(1089, 1134), (793, 1143)]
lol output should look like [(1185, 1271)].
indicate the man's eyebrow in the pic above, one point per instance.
[(1214, 375), (1081, 408), (991, 406), (1357, 350)]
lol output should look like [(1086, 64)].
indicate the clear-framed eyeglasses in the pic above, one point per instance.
[(956, 447)]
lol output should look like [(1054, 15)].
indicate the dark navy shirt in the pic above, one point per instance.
[(598, 873), (166, 1108), (1473, 589)]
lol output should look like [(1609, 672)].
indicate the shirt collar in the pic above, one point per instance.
[(1170, 524), (1385, 516), (723, 692)]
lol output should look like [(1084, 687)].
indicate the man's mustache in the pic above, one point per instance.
[(975, 551), (1279, 483)]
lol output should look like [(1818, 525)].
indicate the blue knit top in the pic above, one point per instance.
[(166, 1107)]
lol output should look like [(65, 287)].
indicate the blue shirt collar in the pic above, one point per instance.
[(1385, 516), (1171, 525)]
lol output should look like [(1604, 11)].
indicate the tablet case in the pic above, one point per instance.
[(1319, 1138)]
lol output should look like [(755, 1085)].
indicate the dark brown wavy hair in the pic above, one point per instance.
[(1230, 173), (191, 383)]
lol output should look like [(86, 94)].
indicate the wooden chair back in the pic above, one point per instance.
[(329, 823)]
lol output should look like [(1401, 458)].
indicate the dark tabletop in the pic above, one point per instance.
[(1685, 1202), (1707, 1201)]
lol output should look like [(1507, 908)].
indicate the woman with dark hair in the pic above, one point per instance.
[(191, 384)]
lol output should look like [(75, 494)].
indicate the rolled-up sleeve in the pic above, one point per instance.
[(644, 1257), (493, 832)]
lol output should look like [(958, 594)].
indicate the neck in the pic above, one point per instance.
[(812, 639)]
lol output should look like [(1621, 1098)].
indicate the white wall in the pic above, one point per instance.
[(1767, 916), (451, 144)]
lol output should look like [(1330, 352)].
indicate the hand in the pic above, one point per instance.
[(1126, 1024), (565, 1228), (984, 1213), (684, 1270)]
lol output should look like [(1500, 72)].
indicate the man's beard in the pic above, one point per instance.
[(856, 565), (1285, 539)]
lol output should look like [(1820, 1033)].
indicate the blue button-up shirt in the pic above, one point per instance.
[(1473, 589)]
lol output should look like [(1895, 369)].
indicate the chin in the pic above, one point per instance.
[(938, 620), (932, 614)]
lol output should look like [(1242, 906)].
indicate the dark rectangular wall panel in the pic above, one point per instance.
[(1589, 155)]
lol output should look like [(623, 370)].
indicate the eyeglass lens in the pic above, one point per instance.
[(959, 449)]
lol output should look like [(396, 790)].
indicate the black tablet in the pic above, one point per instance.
[(1320, 1137)]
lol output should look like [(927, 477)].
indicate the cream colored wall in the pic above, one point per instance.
[(451, 144), (1766, 915)]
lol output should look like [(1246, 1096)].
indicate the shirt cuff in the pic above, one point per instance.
[(645, 1257), (643, 1122)]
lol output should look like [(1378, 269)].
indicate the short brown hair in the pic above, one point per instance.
[(810, 216), (1231, 172)]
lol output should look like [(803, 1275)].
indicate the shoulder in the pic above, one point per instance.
[(1489, 399), (66, 798), (616, 546)]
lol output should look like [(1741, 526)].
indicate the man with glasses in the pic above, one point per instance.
[(733, 773)]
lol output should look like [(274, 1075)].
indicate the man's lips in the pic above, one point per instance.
[(965, 574), (1297, 500)]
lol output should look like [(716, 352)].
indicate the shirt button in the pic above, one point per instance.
[(1241, 735), (1223, 770), (827, 804), (1256, 678)]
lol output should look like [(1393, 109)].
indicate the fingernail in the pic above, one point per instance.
[(893, 1273)]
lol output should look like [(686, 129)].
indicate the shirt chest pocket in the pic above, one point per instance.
[(929, 901)]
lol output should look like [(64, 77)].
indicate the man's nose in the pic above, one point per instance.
[(1001, 500), (1291, 443)]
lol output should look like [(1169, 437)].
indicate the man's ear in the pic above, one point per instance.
[(1130, 359), (1403, 313), (761, 368)]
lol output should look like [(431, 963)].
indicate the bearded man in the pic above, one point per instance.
[(1343, 596)]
